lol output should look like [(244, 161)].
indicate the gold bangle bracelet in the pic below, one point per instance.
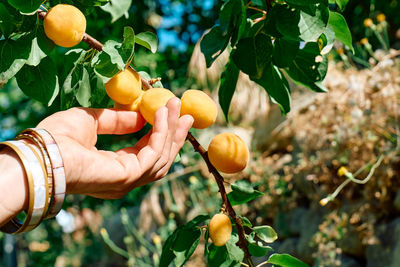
[(38, 185), (15, 225), (59, 180), (39, 148), (37, 153)]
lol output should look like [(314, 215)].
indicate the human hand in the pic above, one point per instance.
[(108, 174)]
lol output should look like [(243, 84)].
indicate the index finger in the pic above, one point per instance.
[(113, 121)]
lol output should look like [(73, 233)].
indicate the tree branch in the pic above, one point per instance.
[(242, 243)]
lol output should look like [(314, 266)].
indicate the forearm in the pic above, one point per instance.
[(13, 186)]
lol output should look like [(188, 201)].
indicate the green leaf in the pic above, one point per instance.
[(272, 21), (206, 248), (243, 186), (245, 222), (227, 87), (128, 45), (242, 192), (103, 67), (252, 55), (90, 3), (7, 23), (229, 255), (285, 260), (235, 253), (257, 248), (167, 254), (198, 219), (342, 4), (26, 6), (75, 72), (265, 233), (40, 82), (342, 31), (112, 49), (259, 3), (253, 28), (185, 244), (284, 52), (303, 2), (13, 57), (182, 243), (213, 44), (148, 40), (117, 9), (276, 86), (309, 68), (83, 92), (36, 54), (306, 25), (99, 98), (232, 19), (217, 255)]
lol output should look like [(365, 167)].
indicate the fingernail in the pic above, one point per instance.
[(164, 111), (177, 101), (190, 119)]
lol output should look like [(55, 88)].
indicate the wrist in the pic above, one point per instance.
[(13, 185)]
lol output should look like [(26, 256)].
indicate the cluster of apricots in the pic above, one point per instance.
[(66, 26)]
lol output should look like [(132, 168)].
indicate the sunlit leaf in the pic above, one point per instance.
[(148, 40), (265, 233), (342, 31), (117, 8), (83, 92), (242, 192), (285, 260)]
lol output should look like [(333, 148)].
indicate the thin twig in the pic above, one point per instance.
[(257, 9), (262, 264), (351, 178), (242, 243)]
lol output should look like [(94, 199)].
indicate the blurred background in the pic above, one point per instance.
[(294, 159)]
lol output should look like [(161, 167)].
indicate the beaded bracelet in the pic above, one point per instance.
[(38, 192)]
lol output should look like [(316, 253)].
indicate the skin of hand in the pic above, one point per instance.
[(108, 174)]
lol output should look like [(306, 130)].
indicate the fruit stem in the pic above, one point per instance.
[(242, 243)]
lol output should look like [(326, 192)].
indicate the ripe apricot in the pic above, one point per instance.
[(65, 25), (220, 229), (228, 153), (200, 106), (134, 106), (125, 87), (152, 100)]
